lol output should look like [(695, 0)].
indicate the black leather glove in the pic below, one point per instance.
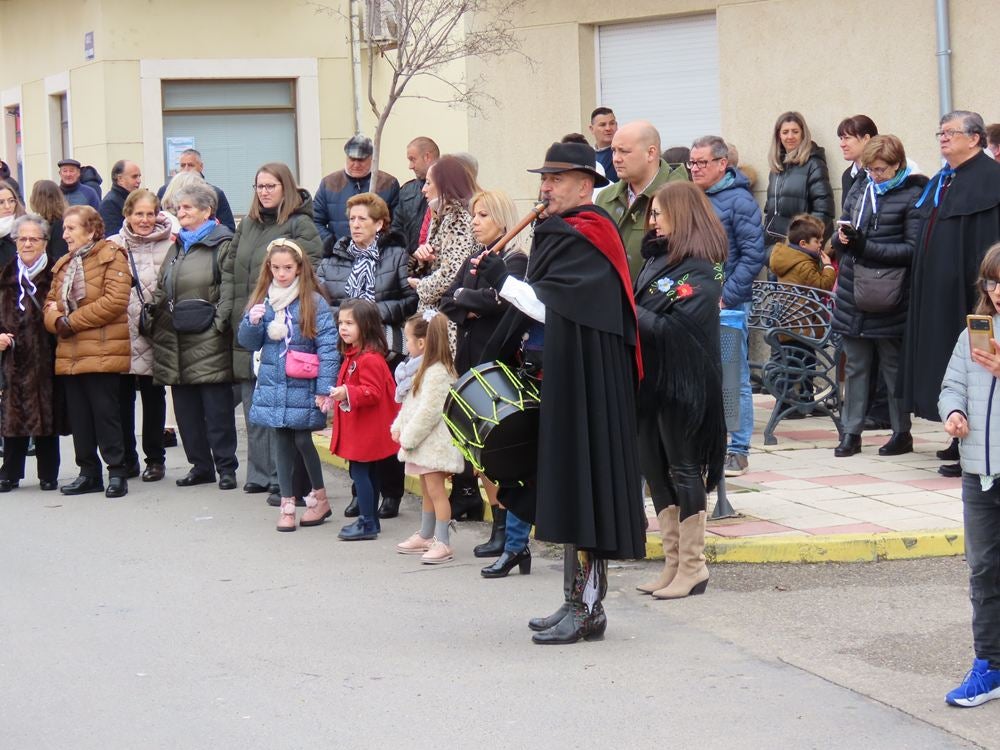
[(63, 328), (492, 270)]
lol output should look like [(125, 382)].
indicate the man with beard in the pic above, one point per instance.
[(577, 302)]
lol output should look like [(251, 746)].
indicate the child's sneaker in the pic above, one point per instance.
[(981, 684), (415, 545), (439, 552)]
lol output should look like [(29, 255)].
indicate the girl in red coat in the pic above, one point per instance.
[(365, 406)]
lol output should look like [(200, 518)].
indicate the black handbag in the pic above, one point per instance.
[(191, 315), (146, 309), (878, 290)]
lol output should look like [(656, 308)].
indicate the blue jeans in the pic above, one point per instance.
[(739, 441), (517, 534), (981, 511)]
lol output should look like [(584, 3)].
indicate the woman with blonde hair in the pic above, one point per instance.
[(682, 428), (47, 201), (475, 308), (10, 208), (799, 181)]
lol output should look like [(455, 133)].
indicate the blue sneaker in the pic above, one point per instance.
[(981, 684)]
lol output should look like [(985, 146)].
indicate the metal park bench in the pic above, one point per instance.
[(801, 374)]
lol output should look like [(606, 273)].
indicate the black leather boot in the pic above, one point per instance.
[(507, 562), (389, 507), (351, 511), (950, 453), (849, 445), (538, 624), (586, 618), (899, 443), (498, 535)]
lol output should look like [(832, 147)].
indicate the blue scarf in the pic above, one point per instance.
[(189, 237), (727, 181), (938, 180), (874, 189)]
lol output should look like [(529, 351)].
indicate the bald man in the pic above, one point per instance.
[(635, 150)]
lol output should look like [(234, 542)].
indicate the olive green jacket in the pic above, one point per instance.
[(194, 358), (632, 221)]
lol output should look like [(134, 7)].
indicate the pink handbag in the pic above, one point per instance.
[(302, 365)]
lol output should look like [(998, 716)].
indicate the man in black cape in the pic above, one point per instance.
[(577, 299), (961, 219)]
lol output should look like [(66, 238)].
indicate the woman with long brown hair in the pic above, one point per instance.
[(682, 429), (799, 182), (278, 208), (48, 201)]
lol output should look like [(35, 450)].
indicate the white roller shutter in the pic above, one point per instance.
[(664, 71)]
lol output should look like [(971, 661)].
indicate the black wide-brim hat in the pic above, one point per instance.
[(572, 157)]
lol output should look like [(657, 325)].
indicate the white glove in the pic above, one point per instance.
[(257, 313)]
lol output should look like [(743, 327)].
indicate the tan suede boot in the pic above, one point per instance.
[(670, 532), (692, 573)]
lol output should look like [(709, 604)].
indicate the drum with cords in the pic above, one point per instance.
[(492, 414)]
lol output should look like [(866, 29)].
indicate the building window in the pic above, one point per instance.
[(64, 126), (236, 125), (684, 103), (11, 152)]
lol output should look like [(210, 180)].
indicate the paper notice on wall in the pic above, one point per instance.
[(175, 147)]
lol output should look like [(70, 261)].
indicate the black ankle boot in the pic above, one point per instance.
[(950, 453), (389, 507), (498, 535), (351, 511), (849, 445), (465, 499), (899, 443), (507, 562)]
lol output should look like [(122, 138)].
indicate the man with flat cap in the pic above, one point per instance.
[(576, 305), (74, 191)]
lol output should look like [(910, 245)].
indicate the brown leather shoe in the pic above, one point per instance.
[(154, 473)]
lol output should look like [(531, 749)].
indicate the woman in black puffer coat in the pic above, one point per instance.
[(371, 264), (799, 182), (883, 233)]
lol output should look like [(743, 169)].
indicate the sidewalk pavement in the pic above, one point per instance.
[(799, 503)]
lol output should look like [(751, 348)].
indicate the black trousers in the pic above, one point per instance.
[(46, 457), (207, 425), (154, 416), (95, 418), (669, 465)]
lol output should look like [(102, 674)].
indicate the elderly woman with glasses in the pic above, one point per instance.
[(34, 404), (87, 307), (192, 338), (878, 236)]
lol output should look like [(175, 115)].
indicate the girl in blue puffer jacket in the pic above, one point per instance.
[(969, 405), (289, 321)]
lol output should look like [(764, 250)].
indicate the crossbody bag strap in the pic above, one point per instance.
[(135, 277)]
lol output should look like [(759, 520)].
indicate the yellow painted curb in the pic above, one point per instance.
[(842, 548), (410, 483)]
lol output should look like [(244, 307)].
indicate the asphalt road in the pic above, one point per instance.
[(179, 618)]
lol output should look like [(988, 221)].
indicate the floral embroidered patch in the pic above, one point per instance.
[(678, 289)]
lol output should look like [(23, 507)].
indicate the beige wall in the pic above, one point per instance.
[(826, 59)]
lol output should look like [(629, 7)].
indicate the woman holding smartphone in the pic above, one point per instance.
[(879, 234)]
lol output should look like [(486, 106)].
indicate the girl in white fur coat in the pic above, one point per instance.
[(423, 383)]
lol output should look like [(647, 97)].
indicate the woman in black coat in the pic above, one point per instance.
[(799, 182), (475, 308), (372, 264), (882, 233), (33, 401), (681, 423)]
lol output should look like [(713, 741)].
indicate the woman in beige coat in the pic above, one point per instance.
[(145, 235), (87, 309)]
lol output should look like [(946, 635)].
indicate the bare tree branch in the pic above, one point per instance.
[(429, 36)]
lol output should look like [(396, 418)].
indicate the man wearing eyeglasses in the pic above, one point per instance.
[(191, 161), (330, 203), (635, 150), (960, 213), (728, 189)]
